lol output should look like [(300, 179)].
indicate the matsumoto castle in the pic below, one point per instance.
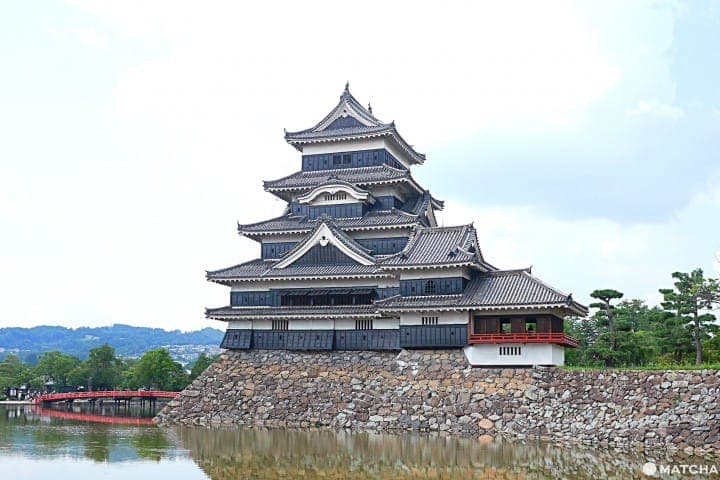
[(358, 262)]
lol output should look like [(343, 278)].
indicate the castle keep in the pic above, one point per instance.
[(358, 262)]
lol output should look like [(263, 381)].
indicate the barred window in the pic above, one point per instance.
[(335, 196), (280, 324), (364, 324), (430, 287), (510, 351), (429, 320)]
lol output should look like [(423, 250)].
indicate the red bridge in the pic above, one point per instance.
[(110, 395)]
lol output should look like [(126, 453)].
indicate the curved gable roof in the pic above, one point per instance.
[(350, 120), (327, 233)]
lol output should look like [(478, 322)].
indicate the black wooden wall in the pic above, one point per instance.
[(237, 339), (367, 340), (433, 336), (293, 339)]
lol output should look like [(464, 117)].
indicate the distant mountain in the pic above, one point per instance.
[(128, 341)]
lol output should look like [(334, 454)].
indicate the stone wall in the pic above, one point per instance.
[(436, 391)]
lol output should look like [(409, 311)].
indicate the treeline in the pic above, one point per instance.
[(127, 340), (628, 333), (103, 370)]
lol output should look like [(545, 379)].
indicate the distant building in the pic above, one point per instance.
[(358, 262)]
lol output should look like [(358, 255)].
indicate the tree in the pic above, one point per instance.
[(102, 370), (202, 362), (13, 373), (56, 366), (693, 294), (605, 310), (157, 370)]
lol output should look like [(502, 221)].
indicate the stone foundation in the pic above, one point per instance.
[(436, 391)]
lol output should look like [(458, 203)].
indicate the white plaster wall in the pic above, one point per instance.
[(532, 354), (240, 324), (378, 323), (444, 318), (385, 190), (434, 273), (558, 355), (283, 237), (318, 324)]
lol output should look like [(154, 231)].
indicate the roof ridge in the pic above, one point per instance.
[(279, 217), (546, 285), (356, 107), (508, 271)]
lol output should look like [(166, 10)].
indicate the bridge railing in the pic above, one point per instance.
[(111, 394)]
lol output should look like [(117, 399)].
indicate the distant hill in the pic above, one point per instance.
[(128, 341)]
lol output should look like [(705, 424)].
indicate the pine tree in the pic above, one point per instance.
[(693, 294), (606, 310)]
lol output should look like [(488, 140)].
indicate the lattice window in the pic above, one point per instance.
[(280, 324), (366, 324), (507, 351), (429, 320), (430, 287)]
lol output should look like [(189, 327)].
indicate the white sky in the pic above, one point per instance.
[(581, 138)]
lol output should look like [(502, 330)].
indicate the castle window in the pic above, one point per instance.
[(335, 196), (347, 159), (429, 320), (505, 325), (336, 159), (280, 324), (430, 287), (366, 324), (507, 351), (531, 325)]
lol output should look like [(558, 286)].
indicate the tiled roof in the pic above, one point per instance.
[(376, 219), (333, 311), (511, 287), (251, 269), (340, 132), (437, 246), (346, 99), (351, 120), (496, 289), (262, 269), (306, 180)]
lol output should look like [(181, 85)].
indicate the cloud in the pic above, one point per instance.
[(579, 256), (655, 109), (151, 152)]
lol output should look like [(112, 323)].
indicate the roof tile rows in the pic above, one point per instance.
[(303, 180), (500, 288), (381, 218), (439, 245)]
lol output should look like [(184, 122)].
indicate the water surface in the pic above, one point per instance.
[(59, 444)]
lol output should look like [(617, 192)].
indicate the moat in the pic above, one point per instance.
[(41, 444)]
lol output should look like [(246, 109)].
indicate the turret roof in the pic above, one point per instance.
[(517, 289), (349, 120)]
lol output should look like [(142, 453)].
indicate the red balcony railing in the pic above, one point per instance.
[(558, 338)]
